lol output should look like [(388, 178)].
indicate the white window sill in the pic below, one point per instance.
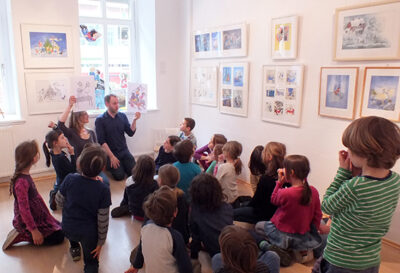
[(96, 113), (11, 121)]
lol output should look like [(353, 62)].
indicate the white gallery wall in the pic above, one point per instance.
[(318, 138)]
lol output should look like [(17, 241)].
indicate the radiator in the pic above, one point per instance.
[(7, 151)]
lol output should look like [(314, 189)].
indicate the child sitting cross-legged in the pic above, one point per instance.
[(165, 153), (161, 247)]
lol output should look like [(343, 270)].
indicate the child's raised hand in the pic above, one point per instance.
[(37, 237), (51, 124), (72, 101), (96, 252), (344, 160)]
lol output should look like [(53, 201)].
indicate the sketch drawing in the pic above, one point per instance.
[(237, 98), (84, 89), (51, 90)]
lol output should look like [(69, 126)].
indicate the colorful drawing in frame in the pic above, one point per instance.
[(381, 92), (284, 37), (338, 89), (270, 77), (216, 41), (368, 32), (282, 101), (136, 98), (234, 92), (202, 42), (232, 39), (47, 46), (204, 85)]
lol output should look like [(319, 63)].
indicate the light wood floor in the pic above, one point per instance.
[(123, 235)]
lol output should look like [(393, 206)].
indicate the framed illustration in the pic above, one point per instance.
[(380, 95), (234, 92), (136, 97), (228, 41), (337, 92), (284, 37), (47, 91), (46, 46), (204, 85), (368, 32), (282, 94)]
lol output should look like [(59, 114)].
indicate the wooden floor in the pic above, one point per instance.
[(123, 235)]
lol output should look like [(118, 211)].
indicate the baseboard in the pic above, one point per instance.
[(36, 177), (391, 243)]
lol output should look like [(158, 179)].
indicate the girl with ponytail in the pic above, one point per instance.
[(296, 221), (228, 172), (52, 148), (32, 219)]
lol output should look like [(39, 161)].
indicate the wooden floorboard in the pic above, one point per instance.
[(123, 235)]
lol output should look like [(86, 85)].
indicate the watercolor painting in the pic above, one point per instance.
[(290, 93), (238, 76), (270, 77), (268, 107), (237, 98), (136, 97), (283, 37), (270, 93), (278, 107), (337, 91), (216, 41), (227, 97), (48, 44), (280, 92), (83, 87), (281, 77), (291, 77), (289, 110), (227, 75), (232, 39), (202, 42), (364, 31), (383, 92)]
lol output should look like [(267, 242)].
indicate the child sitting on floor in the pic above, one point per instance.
[(218, 159), (165, 153)]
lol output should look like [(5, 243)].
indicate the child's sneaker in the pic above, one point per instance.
[(12, 238), (120, 211), (75, 253), (52, 200)]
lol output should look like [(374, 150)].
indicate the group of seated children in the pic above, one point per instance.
[(192, 203)]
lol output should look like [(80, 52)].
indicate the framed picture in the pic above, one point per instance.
[(337, 92), (381, 90), (228, 41), (48, 91), (284, 37), (282, 94), (234, 92), (368, 32), (204, 85), (84, 89), (46, 46)]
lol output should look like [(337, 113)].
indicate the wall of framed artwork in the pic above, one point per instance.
[(337, 92), (233, 88), (381, 93), (368, 32), (47, 91), (282, 94), (47, 46), (220, 42), (204, 85), (284, 32)]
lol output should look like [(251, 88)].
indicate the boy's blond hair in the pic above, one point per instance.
[(374, 138)]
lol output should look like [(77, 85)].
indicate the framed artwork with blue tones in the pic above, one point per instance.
[(234, 90), (282, 94), (381, 92), (47, 46), (337, 92), (368, 32)]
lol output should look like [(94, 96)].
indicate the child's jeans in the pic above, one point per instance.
[(323, 266), (89, 243)]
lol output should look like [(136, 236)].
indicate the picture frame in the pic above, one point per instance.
[(47, 46), (381, 93), (284, 31), (234, 88), (48, 91), (220, 42), (367, 32), (282, 94), (204, 85), (338, 92)]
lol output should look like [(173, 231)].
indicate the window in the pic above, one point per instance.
[(8, 87), (108, 46)]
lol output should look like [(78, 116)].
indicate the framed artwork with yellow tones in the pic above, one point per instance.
[(284, 37)]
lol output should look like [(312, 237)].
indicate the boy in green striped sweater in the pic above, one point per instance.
[(361, 206)]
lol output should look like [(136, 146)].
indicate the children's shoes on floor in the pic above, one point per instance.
[(75, 253), (12, 238)]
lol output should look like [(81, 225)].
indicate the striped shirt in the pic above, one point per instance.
[(362, 208)]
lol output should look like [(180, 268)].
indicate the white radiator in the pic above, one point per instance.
[(7, 151)]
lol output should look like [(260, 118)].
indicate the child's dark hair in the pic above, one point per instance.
[(219, 139), (50, 138), (234, 149), (238, 249), (300, 166), (92, 160), (173, 140), (169, 175), (183, 150), (276, 151), (144, 170), (217, 150), (256, 164), (24, 156), (160, 206), (374, 138), (206, 192), (190, 123)]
